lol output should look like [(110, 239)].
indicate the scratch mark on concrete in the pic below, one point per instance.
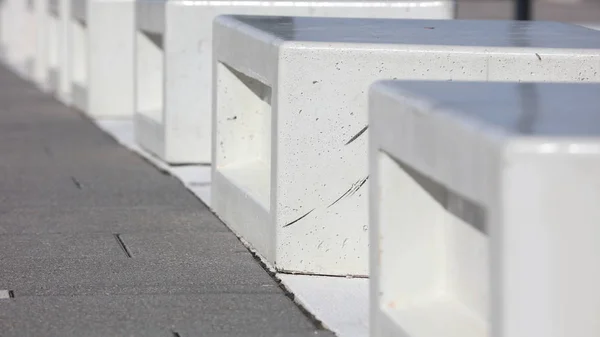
[(353, 189), (300, 218), (357, 135)]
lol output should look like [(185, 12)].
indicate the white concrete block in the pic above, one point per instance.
[(484, 209), (54, 40), (41, 25), (18, 36), (290, 121), (102, 46), (174, 53), (57, 35)]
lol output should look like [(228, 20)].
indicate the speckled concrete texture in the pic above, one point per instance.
[(96, 242)]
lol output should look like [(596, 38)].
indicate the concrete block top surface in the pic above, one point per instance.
[(427, 34), (543, 110), (462, 132)]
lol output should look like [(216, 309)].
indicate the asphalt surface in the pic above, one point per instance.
[(94, 241)]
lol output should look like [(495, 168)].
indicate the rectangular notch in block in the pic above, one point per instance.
[(79, 59), (149, 76), (433, 255), (243, 135)]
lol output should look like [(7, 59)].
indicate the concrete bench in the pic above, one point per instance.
[(174, 53), (290, 122), (101, 56), (18, 36), (484, 209)]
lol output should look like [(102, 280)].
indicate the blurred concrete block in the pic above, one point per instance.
[(484, 209), (102, 46), (18, 36)]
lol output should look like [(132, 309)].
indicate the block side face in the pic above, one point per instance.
[(434, 258), (150, 135), (243, 114), (80, 94), (548, 235), (244, 215), (241, 119), (424, 222), (332, 83), (548, 65), (111, 58), (148, 87), (322, 120), (188, 83)]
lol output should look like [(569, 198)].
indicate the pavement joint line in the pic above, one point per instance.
[(122, 245)]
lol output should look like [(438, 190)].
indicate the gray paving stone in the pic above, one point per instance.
[(206, 272), (68, 189), (144, 289), (316, 333), (59, 245), (191, 243), (40, 153), (194, 315), (116, 220)]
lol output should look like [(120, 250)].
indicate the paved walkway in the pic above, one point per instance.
[(96, 242)]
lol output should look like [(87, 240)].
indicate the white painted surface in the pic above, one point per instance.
[(102, 58), (340, 303), (174, 55), (484, 216), (298, 192)]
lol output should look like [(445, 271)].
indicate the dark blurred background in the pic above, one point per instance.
[(576, 11)]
